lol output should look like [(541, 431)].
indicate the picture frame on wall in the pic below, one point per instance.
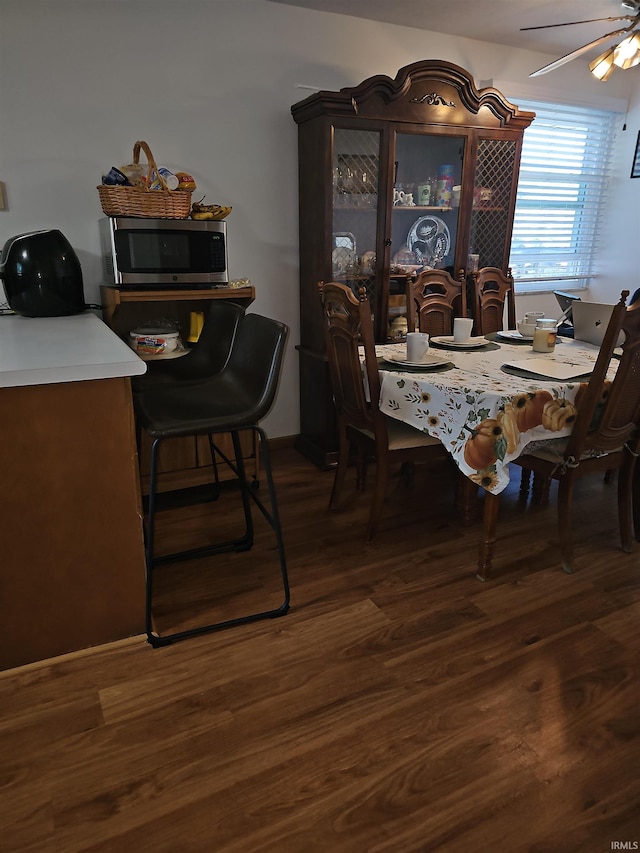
[(635, 168)]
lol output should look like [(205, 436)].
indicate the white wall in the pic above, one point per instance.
[(619, 247), (209, 84)]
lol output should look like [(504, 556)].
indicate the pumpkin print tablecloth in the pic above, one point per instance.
[(484, 416)]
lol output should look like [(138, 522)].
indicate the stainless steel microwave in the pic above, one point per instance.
[(164, 252)]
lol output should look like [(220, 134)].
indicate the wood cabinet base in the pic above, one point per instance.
[(318, 439), (72, 570)]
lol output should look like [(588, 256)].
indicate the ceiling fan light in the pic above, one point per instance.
[(602, 66), (627, 53)]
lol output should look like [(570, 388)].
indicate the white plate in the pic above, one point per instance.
[(513, 335), (429, 240), (166, 355), (447, 341), (430, 362), (342, 258)]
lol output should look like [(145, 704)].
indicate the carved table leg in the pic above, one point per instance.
[(466, 500), (488, 535), (525, 484)]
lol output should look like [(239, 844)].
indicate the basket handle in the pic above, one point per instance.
[(151, 163)]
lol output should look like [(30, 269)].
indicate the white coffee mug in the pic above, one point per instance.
[(532, 316), (417, 346), (462, 329)]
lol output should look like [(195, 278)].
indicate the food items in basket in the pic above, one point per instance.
[(185, 181), (115, 177), (163, 179), (136, 174), (209, 211)]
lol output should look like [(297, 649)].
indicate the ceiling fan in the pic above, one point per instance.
[(624, 55)]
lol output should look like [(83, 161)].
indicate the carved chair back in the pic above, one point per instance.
[(347, 326), (490, 290), (434, 298)]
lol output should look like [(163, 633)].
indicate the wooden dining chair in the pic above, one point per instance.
[(434, 298), (605, 436), (491, 289), (361, 425)]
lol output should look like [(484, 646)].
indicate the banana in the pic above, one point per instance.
[(209, 211)]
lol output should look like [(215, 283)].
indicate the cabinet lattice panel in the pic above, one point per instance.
[(492, 195)]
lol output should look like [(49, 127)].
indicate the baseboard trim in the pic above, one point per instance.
[(282, 442)]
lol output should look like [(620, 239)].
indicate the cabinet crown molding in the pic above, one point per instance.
[(428, 91)]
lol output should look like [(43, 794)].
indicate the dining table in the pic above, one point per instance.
[(488, 400)]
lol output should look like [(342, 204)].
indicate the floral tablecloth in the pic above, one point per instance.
[(484, 416)]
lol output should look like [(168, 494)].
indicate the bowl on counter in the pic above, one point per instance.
[(155, 343)]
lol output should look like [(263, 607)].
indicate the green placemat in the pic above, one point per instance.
[(396, 367), (493, 336)]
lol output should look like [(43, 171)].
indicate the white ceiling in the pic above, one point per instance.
[(496, 21)]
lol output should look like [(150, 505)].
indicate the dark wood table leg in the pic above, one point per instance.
[(466, 500), (488, 535)]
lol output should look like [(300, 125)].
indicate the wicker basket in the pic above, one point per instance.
[(143, 202)]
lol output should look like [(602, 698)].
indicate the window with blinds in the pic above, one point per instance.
[(566, 158)]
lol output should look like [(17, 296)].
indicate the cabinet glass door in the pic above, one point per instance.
[(426, 198), (356, 177), (427, 182)]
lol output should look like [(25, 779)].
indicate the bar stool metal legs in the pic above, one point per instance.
[(248, 495)]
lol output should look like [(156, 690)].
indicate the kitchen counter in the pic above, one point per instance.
[(72, 573), (45, 350)]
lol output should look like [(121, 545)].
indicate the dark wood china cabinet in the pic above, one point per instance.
[(395, 176)]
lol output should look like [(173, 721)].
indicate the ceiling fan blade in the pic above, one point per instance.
[(571, 23), (578, 52)]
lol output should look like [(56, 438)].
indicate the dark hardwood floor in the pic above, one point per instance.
[(402, 705)]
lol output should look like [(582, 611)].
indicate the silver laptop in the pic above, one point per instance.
[(590, 321)]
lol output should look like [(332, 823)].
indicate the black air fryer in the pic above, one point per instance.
[(42, 275)]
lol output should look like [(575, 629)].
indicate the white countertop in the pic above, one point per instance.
[(46, 350)]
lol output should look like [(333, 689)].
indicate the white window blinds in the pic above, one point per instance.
[(566, 156)]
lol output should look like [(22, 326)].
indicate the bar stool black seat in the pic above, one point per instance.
[(232, 400), (207, 357)]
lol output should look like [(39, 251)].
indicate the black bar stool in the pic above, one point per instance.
[(208, 357), (231, 400)]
